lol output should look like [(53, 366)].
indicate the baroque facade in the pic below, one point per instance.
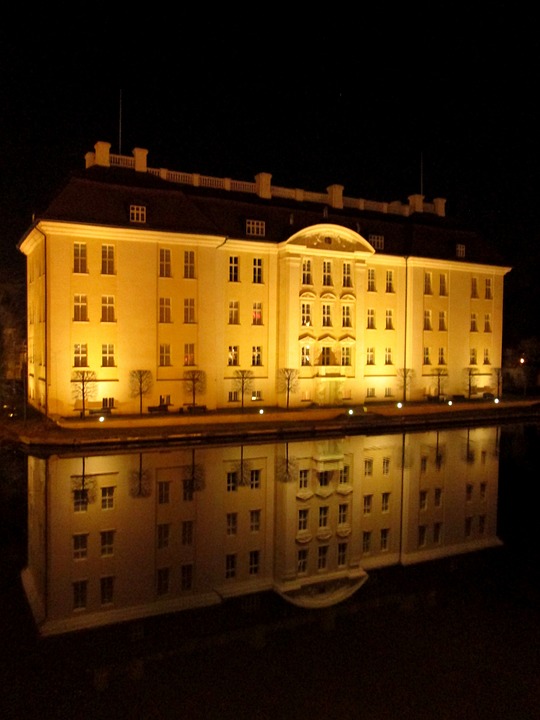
[(228, 293)]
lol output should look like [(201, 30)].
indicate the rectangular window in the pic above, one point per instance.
[(232, 523), (255, 228), (107, 259), (256, 355), (481, 524), (327, 273), (233, 355), (306, 356), (387, 356), (366, 541), (164, 262), (474, 324), (437, 533), (389, 281), (483, 489), (137, 213), (107, 498), (233, 395), (474, 287), (346, 316), (255, 479), (107, 542), (186, 577), (427, 320), (302, 561), (107, 308), (306, 314), (323, 516), (473, 359), (442, 320), (443, 285), (486, 357), (306, 272), (187, 489), (234, 312), (162, 581), (488, 290), (370, 356), (371, 319), (437, 498), (428, 288), (326, 316), (368, 467), (230, 566), (80, 308), (324, 478), (189, 310), (345, 356), (344, 475), (187, 532), (232, 481), (326, 356), (189, 354), (389, 320), (423, 463), (257, 314), (164, 310), (385, 539), (303, 479), (388, 392), (368, 502), (342, 554), (427, 358), (254, 520), (80, 500), (80, 546), (80, 355), (460, 250), (422, 499), (385, 502), (347, 275), (386, 466), (422, 533), (441, 358), (106, 585), (254, 562), (303, 518), (234, 269), (371, 280), (163, 534), (322, 557), (257, 270), (80, 594), (164, 355), (487, 322), (376, 241), (343, 513), (107, 355), (189, 264), (164, 492), (79, 258)]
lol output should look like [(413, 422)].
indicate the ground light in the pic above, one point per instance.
[(261, 412), (399, 405), (101, 418), (450, 402), (496, 401), (351, 411)]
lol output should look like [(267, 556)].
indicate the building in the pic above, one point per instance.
[(149, 288)]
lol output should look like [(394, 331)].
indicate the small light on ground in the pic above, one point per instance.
[(399, 405), (351, 411), (261, 412), (496, 401), (101, 418), (449, 402)]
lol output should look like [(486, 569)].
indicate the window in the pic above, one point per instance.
[(107, 259), (389, 320), (107, 355), (186, 577), (488, 290), (189, 354), (427, 320), (422, 533), (234, 267), (371, 319), (377, 241), (427, 359), (322, 557), (324, 478), (232, 523), (388, 393), (257, 270), (254, 520), (107, 590), (346, 316), (254, 562), (165, 310), (303, 517), (326, 356), (164, 262), (443, 285), (80, 355), (386, 466), (487, 322), (441, 359), (107, 542), (80, 308), (164, 492), (189, 263), (80, 500), (385, 539), (460, 250), (368, 467), (468, 492), (474, 287), (428, 289), (189, 310), (303, 479), (370, 356), (474, 325), (187, 532), (368, 503), (306, 272), (234, 312), (423, 463), (107, 498), (306, 358), (326, 316), (437, 499), (366, 541), (389, 281), (473, 357), (137, 213), (306, 314), (371, 280), (323, 516), (302, 561), (256, 355), (387, 356), (483, 489), (442, 320), (255, 228), (327, 273), (187, 489), (343, 513), (80, 593), (162, 581), (347, 277), (344, 475), (79, 258), (370, 392), (481, 524), (257, 313), (233, 356), (486, 357), (342, 554), (422, 499), (255, 479), (232, 481), (164, 355), (346, 356), (80, 546), (233, 395), (230, 566), (437, 533), (163, 534)]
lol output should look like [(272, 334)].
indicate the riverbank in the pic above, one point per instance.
[(36, 432)]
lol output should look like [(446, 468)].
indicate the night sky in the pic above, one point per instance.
[(387, 103)]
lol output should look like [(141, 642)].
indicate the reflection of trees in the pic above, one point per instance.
[(286, 467), (140, 481), (85, 483), (193, 474), (243, 469)]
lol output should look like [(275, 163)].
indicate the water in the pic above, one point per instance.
[(445, 625)]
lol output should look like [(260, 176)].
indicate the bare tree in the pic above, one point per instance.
[(405, 377), (499, 380), (288, 382), (140, 383), (243, 382), (440, 373), (195, 383), (470, 374), (84, 387)]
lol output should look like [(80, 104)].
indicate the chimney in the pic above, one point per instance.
[(103, 157), (440, 206), (140, 159), (335, 196), (416, 203), (263, 185)]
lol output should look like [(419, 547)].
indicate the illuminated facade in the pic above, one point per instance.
[(231, 293), (117, 537)]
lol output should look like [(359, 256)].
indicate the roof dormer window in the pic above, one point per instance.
[(137, 213), (255, 228)]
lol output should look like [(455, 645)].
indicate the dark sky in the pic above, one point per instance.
[(384, 102)]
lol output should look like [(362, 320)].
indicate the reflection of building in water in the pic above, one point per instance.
[(123, 536)]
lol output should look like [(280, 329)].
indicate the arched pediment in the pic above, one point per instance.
[(331, 238)]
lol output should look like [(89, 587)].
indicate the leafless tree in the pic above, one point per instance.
[(287, 382), (405, 377), (243, 382), (140, 383), (195, 383), (84, 387), (470, 374), (440, 373)]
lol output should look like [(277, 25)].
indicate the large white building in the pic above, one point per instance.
[(230, 293)]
